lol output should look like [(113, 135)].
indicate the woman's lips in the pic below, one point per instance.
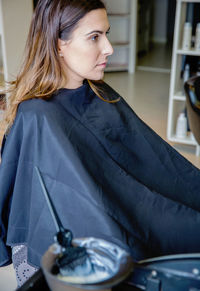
[(102, 65)]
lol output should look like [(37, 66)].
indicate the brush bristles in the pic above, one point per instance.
[(73, 262), (71, 255)]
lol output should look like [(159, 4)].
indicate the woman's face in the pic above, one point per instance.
[(85, 55)]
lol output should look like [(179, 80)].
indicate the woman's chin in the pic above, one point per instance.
[(98, 76)]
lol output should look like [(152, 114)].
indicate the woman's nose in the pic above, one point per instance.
[(107, 49)]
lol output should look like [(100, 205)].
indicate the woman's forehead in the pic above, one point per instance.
[(95, 20)]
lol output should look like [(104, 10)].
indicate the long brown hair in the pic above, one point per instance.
[(41, 73)]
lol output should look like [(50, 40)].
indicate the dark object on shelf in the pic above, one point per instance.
[(192, 89), (194, 65)]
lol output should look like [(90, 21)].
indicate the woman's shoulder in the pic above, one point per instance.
[(36, 106), (32, 104)]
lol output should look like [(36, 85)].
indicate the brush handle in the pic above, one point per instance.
[(58, 223)]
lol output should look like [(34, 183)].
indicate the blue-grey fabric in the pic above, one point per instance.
[(109, 175)]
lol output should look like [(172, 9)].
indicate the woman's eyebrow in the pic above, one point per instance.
[(97, 31)]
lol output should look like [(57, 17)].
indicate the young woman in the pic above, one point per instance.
[(109, 175)]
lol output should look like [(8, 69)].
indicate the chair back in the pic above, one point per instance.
[(192, 90)]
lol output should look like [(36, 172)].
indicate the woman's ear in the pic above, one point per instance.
[(61, 44)]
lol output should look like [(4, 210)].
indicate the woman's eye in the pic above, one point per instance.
[(94, 37)]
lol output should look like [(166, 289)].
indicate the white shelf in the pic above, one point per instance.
[(189, 1), (177, 97), (123, 20), (191, 52), (188, 140)]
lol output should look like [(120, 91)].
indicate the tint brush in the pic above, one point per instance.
[(73, 261)]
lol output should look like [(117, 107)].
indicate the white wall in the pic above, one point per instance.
[(15, 18), (159, 29)]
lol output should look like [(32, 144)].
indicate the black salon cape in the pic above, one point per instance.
[(109, 175)]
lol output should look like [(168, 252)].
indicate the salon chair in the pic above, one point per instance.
[(192, 90)]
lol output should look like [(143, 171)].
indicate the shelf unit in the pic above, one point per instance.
[(176, 94), (122, 17)]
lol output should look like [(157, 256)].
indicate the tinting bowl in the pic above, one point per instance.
[(111, 263)]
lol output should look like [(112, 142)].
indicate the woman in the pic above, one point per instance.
[(109, 175)]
